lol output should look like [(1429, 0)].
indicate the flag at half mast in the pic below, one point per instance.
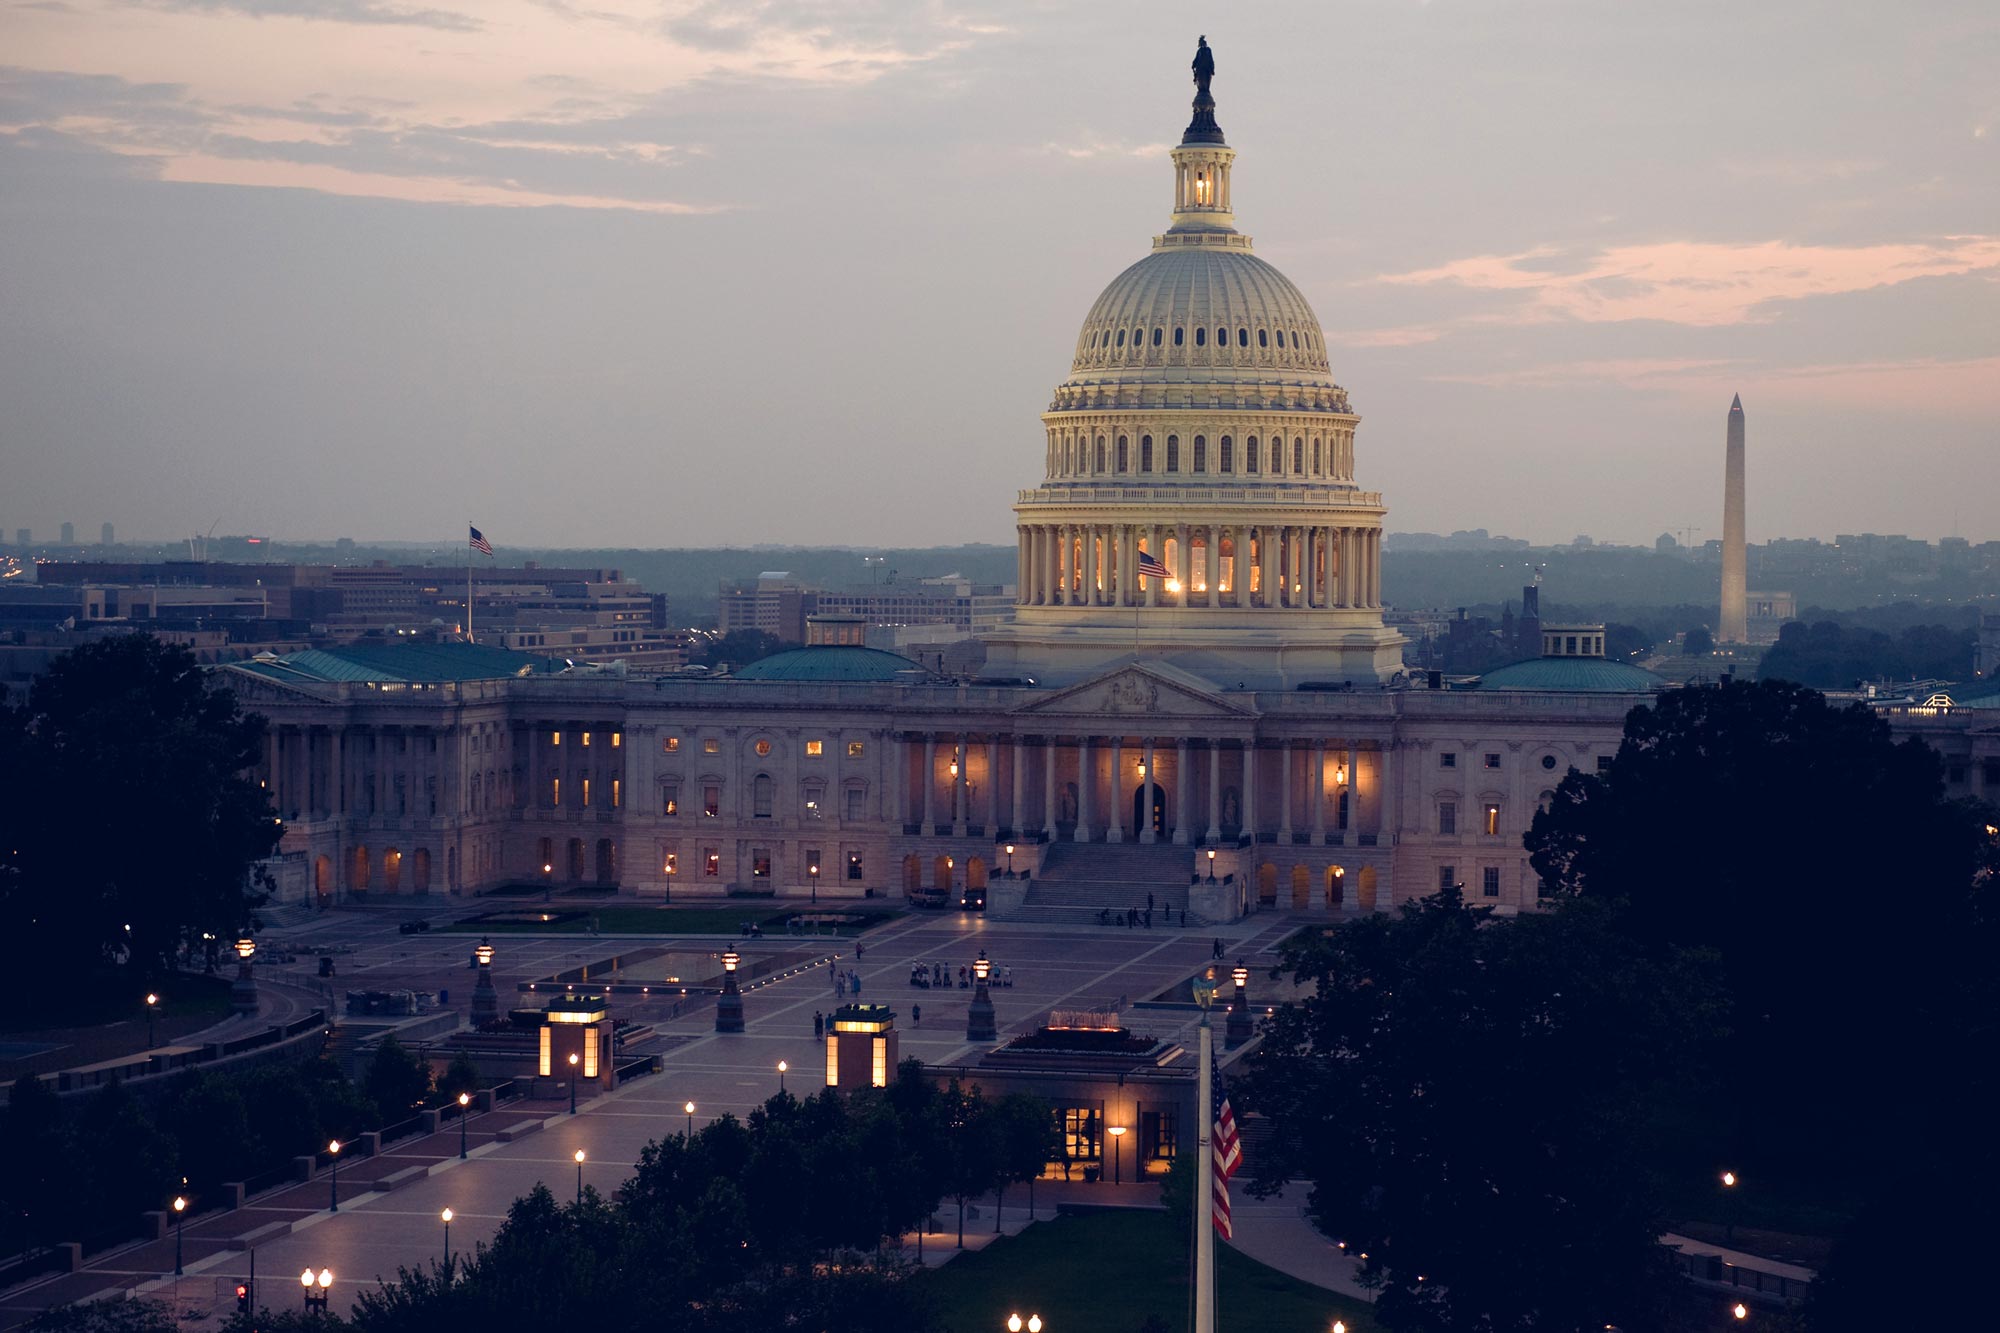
[(479, 542), (1228, 1156)]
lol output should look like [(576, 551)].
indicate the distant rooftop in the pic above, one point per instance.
[(401, 663)]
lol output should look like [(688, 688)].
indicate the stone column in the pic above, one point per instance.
[(1250, 788), (1115, 826), (1083, 785), (1274, 590), (1183, 566), (1212, 557), (1058, 564), (1317, 785), (930, 781), (1354, 787), (1146, 831), (1285, 789), (1180, 791), (1016, 824), (962, 748), (895, 809), (992, 785), (1089, 535), (1049, 808), (1214, 792)]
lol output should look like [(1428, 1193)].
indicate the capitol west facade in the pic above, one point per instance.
[(1198, 691)]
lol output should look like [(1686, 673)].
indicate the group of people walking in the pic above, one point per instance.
[(1138, 916), (938, 976)]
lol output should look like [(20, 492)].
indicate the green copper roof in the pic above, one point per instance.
[(1595, 675), (409, 663), (830, 662)]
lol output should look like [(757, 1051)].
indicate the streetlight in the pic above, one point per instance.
[(572, 1083), (152, 1008), (782, 1067), (315, 1288), (180, 1211), (464, 1114), (813, 870), (333, 1161), (446, 1215), (1010, 860), (689, 1108), (579, 1175), (1015, 1325), (1729, 1207), (1740, 1310), (1211, 865), (1117, 1133)]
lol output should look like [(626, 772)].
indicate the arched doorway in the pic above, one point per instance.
[(1365, 896), (420, 870), (357, 870), (1336, 887), (323, 880), (1149, 808), (941, 872), (1267, 885), (975, 873), (392, 870), (607, 861), (1301, 888), (913, 874), (575, 873)]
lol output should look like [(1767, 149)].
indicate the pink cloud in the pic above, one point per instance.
[(1701, 283)]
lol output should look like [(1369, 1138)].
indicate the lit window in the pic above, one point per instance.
[(670, 799), (672, 863), (555, 738), (555, 793), (832, 1061), (548, 1035), (814, 749), (586, 740), (711, 801), (711, 862), (586, 793), (1447, 817), (1489, 881), (617, 739), (1490, 820), (590, 1053), (763, 748), (760, 863), (855, 749), (854, 865), (671, 744), (711, 746), (617, 793), (879, 1073)]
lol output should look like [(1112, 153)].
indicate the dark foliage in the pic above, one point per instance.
[(1831, 657), (396, 1082), (1697, 642)]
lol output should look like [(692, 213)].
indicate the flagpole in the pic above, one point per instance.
[(1204, 1190), (468, 584)]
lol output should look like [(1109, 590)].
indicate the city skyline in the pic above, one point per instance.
[(316, 311)]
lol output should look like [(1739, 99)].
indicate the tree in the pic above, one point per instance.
[(396, 1081), (1697, 642), (1025, 1137), (970, 1163), (120, 1313), (1822, 864), (1467, 1097), (136, 725), (461, 1075)]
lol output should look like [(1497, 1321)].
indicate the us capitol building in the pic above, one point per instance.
[(1198, 696)]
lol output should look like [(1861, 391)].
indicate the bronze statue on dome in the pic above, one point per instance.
[(1204, 64)]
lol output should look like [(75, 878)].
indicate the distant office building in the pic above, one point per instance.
[(1986, 654), (23, 537), (777, 603), (106, 537), (69, 534)]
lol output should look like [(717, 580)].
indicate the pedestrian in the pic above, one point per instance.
[(1149, 902), (839, 985), (916, 1015), (819, 1025), (1184, 918), (854, 982), (1149, 916), (1216, 952), (1009, 972), (836, 980), (857, 950)]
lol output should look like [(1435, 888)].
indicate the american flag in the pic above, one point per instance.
[(1151, 568), (479, 542), (1228, 1154)]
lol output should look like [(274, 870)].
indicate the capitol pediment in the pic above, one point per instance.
[(1142, 690)]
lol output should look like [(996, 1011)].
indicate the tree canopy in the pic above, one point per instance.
[(127, 729), (1828, 655)]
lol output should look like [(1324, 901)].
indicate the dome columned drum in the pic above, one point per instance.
[(1198, 501)]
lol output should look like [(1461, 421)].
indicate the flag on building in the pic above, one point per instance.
[(1227, 1152), (479, 543), (1151, 568)]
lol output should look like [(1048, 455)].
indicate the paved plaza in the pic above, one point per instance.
[(377, 1229)]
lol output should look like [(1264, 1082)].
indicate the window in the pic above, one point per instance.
[(1222, 337), (814, 749), (1145, 453), (1548, 761), (711, 802), (617, 793), (555, 738), (763, 749), (1990, 771), (1242, 337), (1121, 337), (1447, 817), (1604, 763), (1541, 887), (1081, 1133), (1315, 457), (1298, 455), (854, 865), (760, 863), (1228, 455), (1263, 338), (1173, 453), (1251, 455), (1201, 337), (671, 745), (670, 863), (812, 861), (1200, 453), (762, 790), (670, 799), (711, 862), (555, 793), (1178, 336), (1124, 461), (855, 749), (1489, 881), (1492, 761), (1490, 820), (617, 740), (1100, 454), (1449, 759), (857, 809), (711, 746), (1277, 455), (586, 793), (1157, 335), (1447, 878), (586, 740)]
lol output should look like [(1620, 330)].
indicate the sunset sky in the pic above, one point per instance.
[(604, 272)]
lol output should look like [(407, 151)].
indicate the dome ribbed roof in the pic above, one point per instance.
[(831, 662), (1205, 294), (1564, 675)]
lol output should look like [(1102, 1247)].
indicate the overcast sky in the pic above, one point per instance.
[(609, 272)]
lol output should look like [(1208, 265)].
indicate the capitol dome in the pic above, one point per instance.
[(1216, 307)]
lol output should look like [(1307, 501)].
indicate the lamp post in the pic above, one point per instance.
[(689, 1108), (782, 1067), (548, 879), (1015, 1323), (729, 1005), (1211, 865), (1117, 1133), (446, 1215), (180, 1211), (813, 870), (152, 1008), (464, 1114), (243, 994), (579, 1175), (1729, 1179), (485, 1001), (333, 1162), (1739, 1310), (1204, 1167), (572, 1083), (1238, 1029), (1010, 860), (980, 1024), (316, 1288)]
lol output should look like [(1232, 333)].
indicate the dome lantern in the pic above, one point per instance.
[(1202, 162)]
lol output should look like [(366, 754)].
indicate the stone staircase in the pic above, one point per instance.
[(1078, 881)]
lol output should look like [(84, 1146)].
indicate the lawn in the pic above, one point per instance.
[(725, 920), (1107, 1272)]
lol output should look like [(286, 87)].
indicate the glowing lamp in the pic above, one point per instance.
[(980, 967), (484, 953), (1240, 975), (245, 947), (730, 958)]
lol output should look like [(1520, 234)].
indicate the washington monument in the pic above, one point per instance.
[(1732, 627)]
